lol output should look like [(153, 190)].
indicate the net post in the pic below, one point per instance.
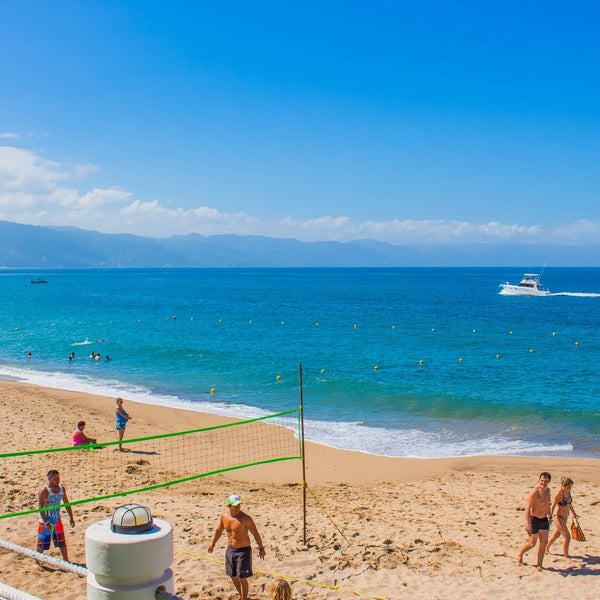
[(302, 453)]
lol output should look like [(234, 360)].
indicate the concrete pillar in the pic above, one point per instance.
[(128, 566)]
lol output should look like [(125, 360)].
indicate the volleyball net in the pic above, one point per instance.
[(98, 472)]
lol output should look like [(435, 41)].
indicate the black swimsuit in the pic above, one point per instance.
[(538, 524)]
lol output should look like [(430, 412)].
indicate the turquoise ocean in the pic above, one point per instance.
[(399, 362)]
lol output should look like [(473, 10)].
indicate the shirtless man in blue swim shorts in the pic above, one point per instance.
[(537, 523), (238, 558)]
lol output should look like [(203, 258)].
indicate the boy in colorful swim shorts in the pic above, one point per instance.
[(238, 558), (50, 527)]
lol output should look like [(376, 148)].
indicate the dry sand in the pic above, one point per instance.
[(377, 527)]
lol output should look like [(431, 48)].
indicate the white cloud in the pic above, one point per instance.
[(409, 231), (154, 219), (39, 191), (27, 181), (99, 199), (9, 135), (579, 232)]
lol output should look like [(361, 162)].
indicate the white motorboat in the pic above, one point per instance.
[(529, 286)]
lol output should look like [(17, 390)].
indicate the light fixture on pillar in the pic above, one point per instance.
[(131, 518)]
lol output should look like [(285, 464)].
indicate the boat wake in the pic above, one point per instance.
[(577, 294)]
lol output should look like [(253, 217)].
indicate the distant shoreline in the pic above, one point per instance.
[(100, 250)]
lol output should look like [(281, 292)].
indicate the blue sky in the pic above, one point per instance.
[(399, 121)]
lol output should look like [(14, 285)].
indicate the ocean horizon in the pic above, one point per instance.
[(408, 362)]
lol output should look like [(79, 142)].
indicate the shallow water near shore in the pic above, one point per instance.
[(399, 362)]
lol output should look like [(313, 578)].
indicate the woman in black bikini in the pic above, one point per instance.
[(563, 503)]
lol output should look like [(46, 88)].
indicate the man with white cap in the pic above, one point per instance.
[(238, 558)]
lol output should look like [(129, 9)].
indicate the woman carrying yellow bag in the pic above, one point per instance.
[(563, 504)]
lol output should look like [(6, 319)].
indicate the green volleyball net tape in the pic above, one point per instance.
[(99, 472)]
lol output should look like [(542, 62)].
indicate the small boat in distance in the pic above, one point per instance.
[(529, 286), (39, 280)]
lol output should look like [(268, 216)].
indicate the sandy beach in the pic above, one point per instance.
[(376, 528)]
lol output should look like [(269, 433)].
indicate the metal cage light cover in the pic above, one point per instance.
[(131, 518)]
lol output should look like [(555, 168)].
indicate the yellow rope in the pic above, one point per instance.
[(280, 576), (325, 512)]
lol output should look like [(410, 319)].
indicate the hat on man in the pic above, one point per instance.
[(234, 500)]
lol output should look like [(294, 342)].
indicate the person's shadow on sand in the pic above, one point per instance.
[(585, 567)]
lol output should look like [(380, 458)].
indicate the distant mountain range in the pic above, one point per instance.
[(23, 246)]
